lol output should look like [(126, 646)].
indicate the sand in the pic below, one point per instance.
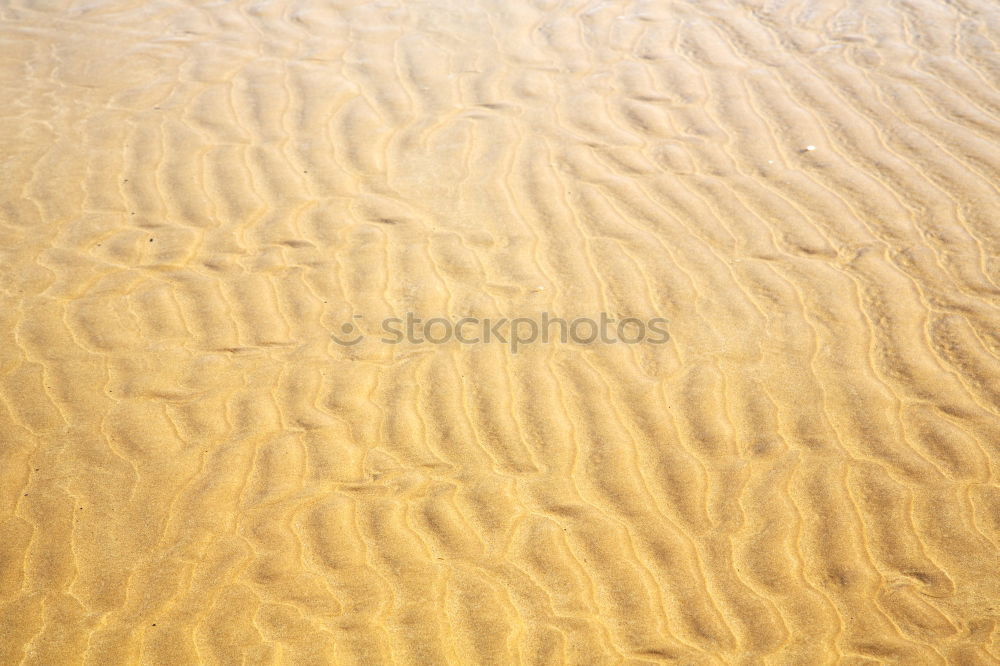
[(195, 197)]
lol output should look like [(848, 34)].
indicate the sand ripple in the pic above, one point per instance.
[(196, 195)]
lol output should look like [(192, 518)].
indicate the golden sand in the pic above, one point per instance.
[(195, 196)]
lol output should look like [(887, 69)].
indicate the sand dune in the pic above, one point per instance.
[(196, 196)]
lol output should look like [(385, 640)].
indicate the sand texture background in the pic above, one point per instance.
[(195, 195)]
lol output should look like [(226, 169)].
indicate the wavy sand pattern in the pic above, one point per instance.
[(196, 195)]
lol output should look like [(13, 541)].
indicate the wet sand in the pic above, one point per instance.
[(195, 196)]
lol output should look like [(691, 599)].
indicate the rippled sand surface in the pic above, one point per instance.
[(195, 196)]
